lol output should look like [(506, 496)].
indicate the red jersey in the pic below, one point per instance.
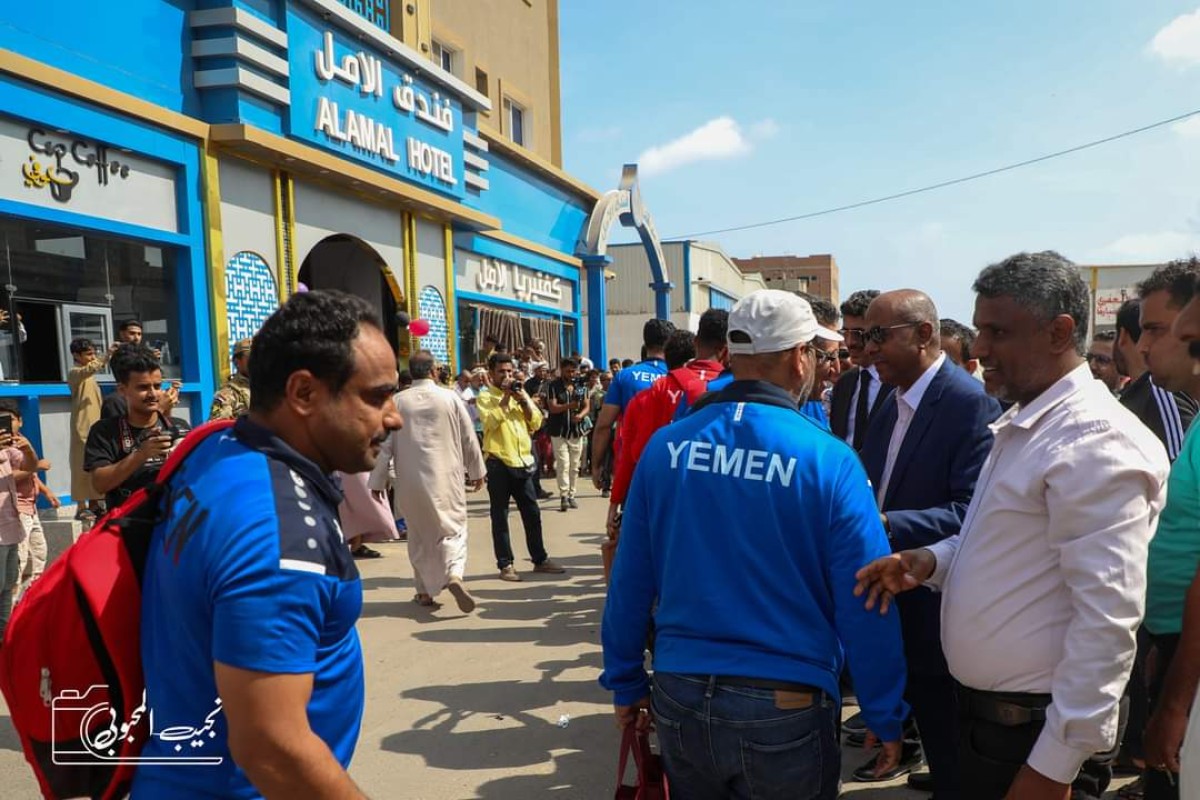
[(652, 409)]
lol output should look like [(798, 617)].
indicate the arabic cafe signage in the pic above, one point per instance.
[(497, 278), (348, 99), (45, 167), (1108, 302)]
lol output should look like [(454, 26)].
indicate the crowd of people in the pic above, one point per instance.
[(989, 534)]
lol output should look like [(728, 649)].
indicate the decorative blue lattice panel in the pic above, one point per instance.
[(377, 12), (432, 307), (250, 295)]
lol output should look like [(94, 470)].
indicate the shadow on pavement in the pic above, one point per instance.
[(509, 725)]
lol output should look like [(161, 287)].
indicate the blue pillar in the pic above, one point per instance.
[(597, 311), (662, 299)]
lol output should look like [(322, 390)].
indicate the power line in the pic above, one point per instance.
[(943, 184)]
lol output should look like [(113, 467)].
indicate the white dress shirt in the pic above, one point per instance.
[(1045, 585), (907, 403), (872, 394)]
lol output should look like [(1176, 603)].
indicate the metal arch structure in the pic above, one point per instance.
[(623, 204)]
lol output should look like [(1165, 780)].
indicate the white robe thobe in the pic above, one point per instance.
[(435, 453)]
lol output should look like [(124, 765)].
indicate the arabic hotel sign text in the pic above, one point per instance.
[(349, 99)]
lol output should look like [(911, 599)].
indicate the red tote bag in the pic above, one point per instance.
[(651, 782)]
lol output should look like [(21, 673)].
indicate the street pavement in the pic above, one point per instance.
[(502, 704)]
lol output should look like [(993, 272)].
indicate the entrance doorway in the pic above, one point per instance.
[(349, 264)]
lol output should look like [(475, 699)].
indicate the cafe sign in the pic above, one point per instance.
[(504, 279), (44, 166)]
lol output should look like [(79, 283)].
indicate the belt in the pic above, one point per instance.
[(760, 683), (1008, 709)]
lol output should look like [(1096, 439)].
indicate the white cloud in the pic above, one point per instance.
[(716, 139), (1179, 41), (1151, 247), (1188, 128)]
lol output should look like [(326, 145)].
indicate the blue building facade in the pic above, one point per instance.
[(190, 163)]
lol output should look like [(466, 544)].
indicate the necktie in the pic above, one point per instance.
[(862, 409)]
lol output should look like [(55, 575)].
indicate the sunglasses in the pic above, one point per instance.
[(880, 334), (1097, 358), (825, 357), (843, 354), (852, 334)]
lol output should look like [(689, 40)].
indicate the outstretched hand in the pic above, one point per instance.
[(886, 577)]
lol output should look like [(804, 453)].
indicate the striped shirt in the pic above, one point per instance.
[(1168, 414)]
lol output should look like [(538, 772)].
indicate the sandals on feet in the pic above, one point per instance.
[(362, 551)]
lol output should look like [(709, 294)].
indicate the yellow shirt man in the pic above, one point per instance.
[(507, 427)]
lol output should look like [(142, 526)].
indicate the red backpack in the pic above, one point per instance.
[(71, 664)]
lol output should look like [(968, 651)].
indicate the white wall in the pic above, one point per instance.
[(247, 211), (321, 213)]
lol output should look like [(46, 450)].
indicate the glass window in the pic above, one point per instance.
[(516, 123), (443, 56), (61, 283)]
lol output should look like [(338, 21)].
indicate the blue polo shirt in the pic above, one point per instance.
[(743, 529), (628, 382), (248, 568), (815, 410)]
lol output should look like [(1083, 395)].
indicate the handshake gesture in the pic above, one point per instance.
[(886, 577)]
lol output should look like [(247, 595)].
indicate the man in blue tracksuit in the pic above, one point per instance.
[(745, 523)]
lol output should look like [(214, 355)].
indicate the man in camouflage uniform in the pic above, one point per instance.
[(233, 399)]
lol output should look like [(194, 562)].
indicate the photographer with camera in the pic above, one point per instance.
[(125, 453), (509, 417), (570, 422)]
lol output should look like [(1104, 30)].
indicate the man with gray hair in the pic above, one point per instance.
[(433, 452), (1044, 587)]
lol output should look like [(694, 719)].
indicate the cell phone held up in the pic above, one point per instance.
[(6, 427)]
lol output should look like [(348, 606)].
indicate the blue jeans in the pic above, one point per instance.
[(721, 741), (10, 578)]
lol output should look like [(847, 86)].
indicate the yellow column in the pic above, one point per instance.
[(216, 262), (285, 234), (409, 343), (451, 303)]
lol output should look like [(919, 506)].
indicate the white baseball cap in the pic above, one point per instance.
[(775, 321)]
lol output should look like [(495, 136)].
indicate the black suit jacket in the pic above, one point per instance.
[(843, 395), (931, 486)]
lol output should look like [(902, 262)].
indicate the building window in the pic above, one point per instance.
[(377, 12), (66, 283), (516, 122), (444, 57), (719, 300), (481, 82)]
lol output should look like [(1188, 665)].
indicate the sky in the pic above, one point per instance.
[(744, 112)]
